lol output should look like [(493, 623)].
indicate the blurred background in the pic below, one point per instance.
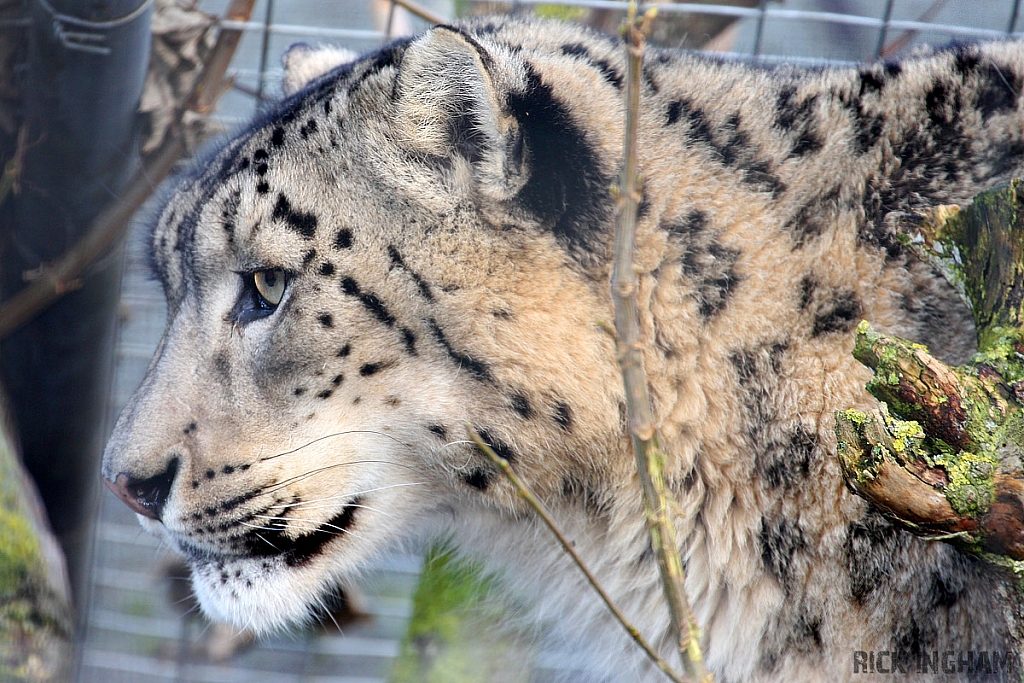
[(90, 98)]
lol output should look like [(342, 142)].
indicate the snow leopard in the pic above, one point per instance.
[(419, 241)]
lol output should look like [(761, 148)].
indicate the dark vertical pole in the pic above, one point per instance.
[(883, 32), (759, 33), (86, 68), (268, 19)]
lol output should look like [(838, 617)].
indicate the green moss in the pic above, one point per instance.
[(19, 551), (998, 350), (20, 555), (982, 231), (452, 612), (906, 434), (888, 357), (1016, 566), (138, 606), (971, 489), (1012, 431), (855, 416), (448, 584)]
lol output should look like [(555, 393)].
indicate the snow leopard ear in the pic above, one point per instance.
[(450, 103), (304, 63)]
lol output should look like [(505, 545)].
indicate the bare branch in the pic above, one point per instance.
[(420, 11), (534, 503), (642, 427), (54, 280)]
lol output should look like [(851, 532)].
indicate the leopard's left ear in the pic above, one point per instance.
[(304, 63), (450, 103)]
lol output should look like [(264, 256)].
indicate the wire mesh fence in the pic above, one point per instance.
[(139, 624)]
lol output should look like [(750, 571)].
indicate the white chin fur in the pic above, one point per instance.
[(262, 595)]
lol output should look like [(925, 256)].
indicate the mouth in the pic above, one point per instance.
[(268, 579), (298, 551), (272, 541)]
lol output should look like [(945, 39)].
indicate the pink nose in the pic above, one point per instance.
[(145, 496)]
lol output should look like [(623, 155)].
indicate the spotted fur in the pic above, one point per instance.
[(442, 212)]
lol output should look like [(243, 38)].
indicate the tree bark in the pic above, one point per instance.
[(942, 455), (36, 617)]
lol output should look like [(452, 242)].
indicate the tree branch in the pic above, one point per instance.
[(420, 11), (643, 430), (943, 453), (539, 508), (54, 280)]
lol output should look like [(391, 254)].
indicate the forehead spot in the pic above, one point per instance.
[(301, 222), (369, 369), (343, 240)]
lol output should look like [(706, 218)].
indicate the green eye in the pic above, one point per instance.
[(270, 285)]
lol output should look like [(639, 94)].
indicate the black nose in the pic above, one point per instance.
[(145, 496)]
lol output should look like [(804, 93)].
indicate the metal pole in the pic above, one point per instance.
[(86, 68), (268, 19), (759, 33), (884, 30)]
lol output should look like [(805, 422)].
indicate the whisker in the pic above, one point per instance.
[(258, 526), (305, 475), (373, 509), (277, 486), (338, 529), (325, 608), (206, 623), (314, 524), (457, 443), (308, 504), (331, 436), (268, 542), (300, 519), (315, 527)]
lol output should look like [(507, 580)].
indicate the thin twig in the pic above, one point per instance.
[(643, 431), (538, 507), (56, 279), (11, 178), (899, 44), (420, 11)]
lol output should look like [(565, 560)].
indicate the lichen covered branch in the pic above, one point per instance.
[(943, 453)]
